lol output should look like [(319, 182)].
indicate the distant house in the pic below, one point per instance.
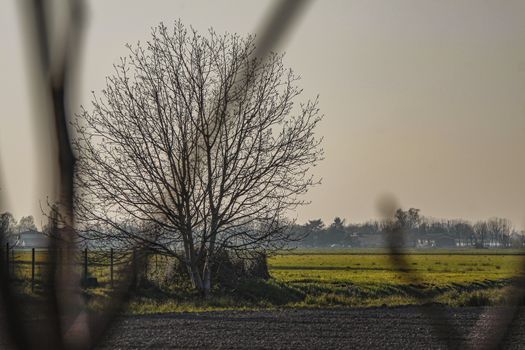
[(425, 243), (29, 239), (436, 240)]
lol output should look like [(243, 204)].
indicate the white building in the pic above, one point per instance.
[(29, 239)]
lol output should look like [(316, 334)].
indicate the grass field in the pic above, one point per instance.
[(356, 278), (370, 278), (367, 277)]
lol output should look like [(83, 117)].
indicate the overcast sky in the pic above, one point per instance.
[(422, 99)]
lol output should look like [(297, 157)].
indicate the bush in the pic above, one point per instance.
[(230, 271)]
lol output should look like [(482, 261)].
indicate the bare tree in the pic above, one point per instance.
[(195, 147), (27, 223), (500, 230), (8, 223), (481, 232)]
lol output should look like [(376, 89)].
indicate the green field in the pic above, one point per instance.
[(367, 277), (343, 278), (371, 278)]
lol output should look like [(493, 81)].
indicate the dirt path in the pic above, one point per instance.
[(373, 328)]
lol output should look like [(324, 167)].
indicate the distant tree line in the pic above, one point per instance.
[(10, 225), (420, 231)]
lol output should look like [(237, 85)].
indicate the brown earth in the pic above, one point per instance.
[(367, 328), (413, 327)]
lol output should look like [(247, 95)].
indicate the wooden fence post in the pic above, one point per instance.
[(7, 260), (32, 270), (134, 267), (111, 266), (13, 271), (85, 264), (58, 261), (146, 261)]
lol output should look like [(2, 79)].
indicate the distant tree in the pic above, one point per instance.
[(480, 233), (408, 220), (499, 230), (367, 228), (8, 223), (517, 239), (463, 232), (314, 225), (338, 224), (26, 223), (7, 226), (336, 232), (413, 218)]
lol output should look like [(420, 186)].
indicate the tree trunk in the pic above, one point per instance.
[(208, 260), (195, 277), (197, 281), (207, 281)]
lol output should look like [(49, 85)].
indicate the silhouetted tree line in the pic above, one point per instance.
[(420, 231), (10, 225)]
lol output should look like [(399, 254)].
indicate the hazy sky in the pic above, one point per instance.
[(422, 99)]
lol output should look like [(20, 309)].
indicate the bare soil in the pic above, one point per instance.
[(361, 328), (367, 328)]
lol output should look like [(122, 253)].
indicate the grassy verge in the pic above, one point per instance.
[(257, 295)]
